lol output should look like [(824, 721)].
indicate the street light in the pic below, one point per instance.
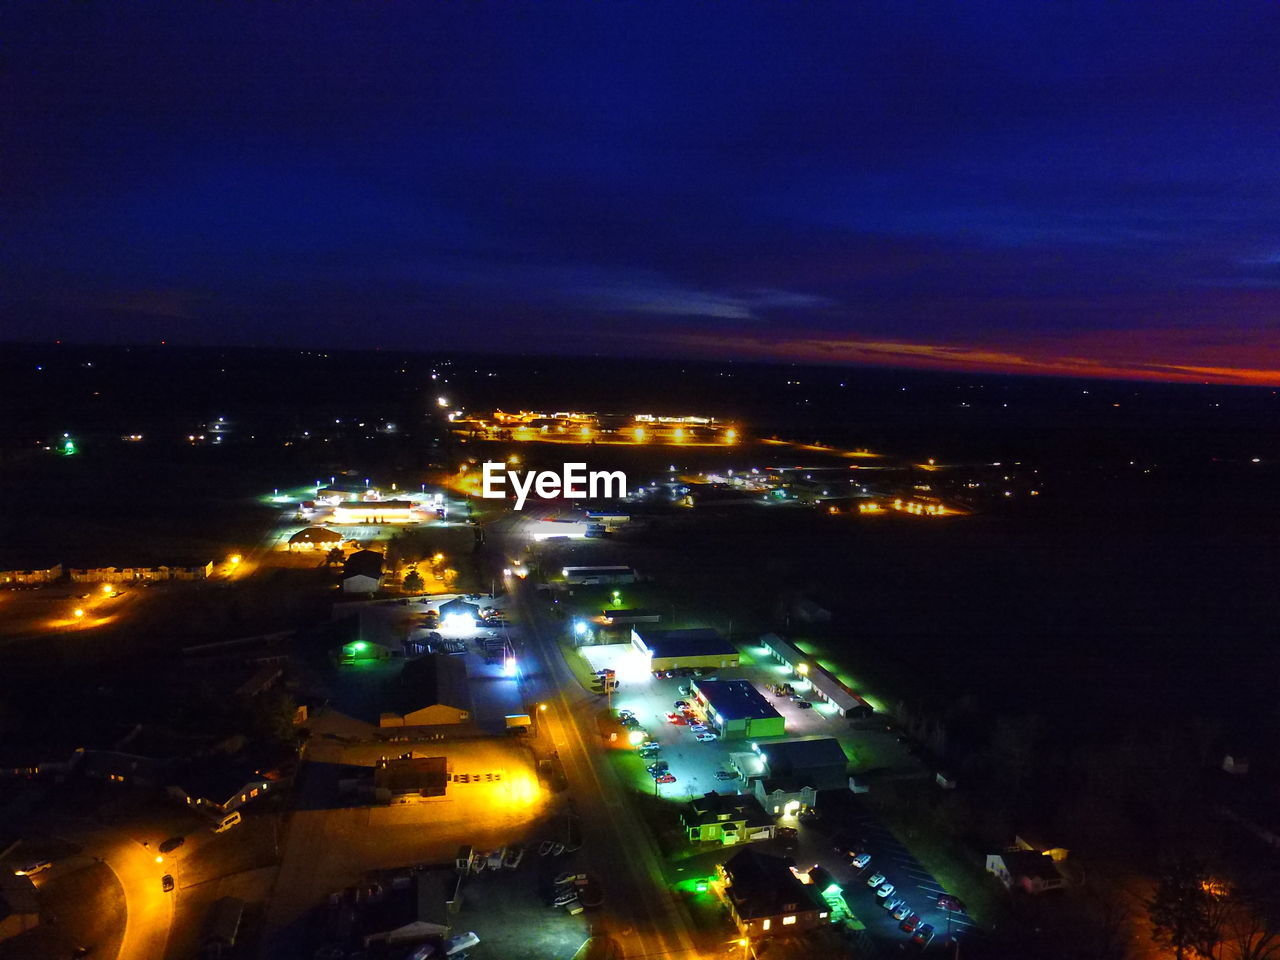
[(79, 614)]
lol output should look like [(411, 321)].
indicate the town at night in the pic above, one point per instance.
[(640, 481)]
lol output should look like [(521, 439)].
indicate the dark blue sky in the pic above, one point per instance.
[(1085, 188)]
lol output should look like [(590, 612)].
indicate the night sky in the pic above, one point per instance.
[(1075, 188)]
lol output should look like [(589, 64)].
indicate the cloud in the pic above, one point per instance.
[(1117, 361)]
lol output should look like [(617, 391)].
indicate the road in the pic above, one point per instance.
[(640, 911), (148, 909)]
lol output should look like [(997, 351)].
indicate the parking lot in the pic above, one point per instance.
[(847, 823)]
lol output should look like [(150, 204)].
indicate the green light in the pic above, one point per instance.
[(702, 886), (359, 646), (68, 448), (833, 891)]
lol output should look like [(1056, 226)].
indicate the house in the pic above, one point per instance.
[(737, 709), (726, 818), (221, 784), (1026, 870), (126, 768), (765, 897), (315, 538), (430, 691), (410, 778), (362, 572), (681, 649), (191, 570), (32, 577), (623, 616), (789, 773), (19, 905)]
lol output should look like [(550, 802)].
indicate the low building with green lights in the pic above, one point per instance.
[(738, 710), (766, 896), (726, 819)]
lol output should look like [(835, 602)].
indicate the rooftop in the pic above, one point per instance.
[(786, 757), (434, 679), (761, 885), (703, 642), (739, 807), (735, 699)]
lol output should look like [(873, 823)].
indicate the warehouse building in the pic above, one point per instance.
[(824, 685), (590, 576), (678, 649), (737, 709), (431, 691)]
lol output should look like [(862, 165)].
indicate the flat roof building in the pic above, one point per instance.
[(738, 710), (411, 777), (824, 685), (675, 649), (792, 772), (375, 511)]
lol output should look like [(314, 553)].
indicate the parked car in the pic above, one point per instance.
[(660, 766), (902, 911), (698, 727), (910, 922), (789, 833), (875, 880), (861, 860), (665, 778), (727, 775), (676, 719), (166, 883), (949, 901), (804, 705), (893, 903), (681, 705), (886, 889), (31, 869), (924, 933), (684, 690), (704, 737), (173, 843), (515, 854)]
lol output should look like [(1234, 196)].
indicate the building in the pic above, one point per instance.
[(126, 768), (19, 905), (199, 570), (627, 616), (32, 577), (766, 898), (1026, 870), (822, 684), (726, 818), (362, 572), (458, 614), (341, 492), (737, 709), (375, 511), (220, 784), (315, 538), (430, 691), (679, 649), (789, 774), (588, 576), (410, 778)]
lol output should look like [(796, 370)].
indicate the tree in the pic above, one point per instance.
[(1180, 909), (413, 581), (335, 556), (1251, 936)]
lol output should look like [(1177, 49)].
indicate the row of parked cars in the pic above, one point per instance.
[(908, 919)]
